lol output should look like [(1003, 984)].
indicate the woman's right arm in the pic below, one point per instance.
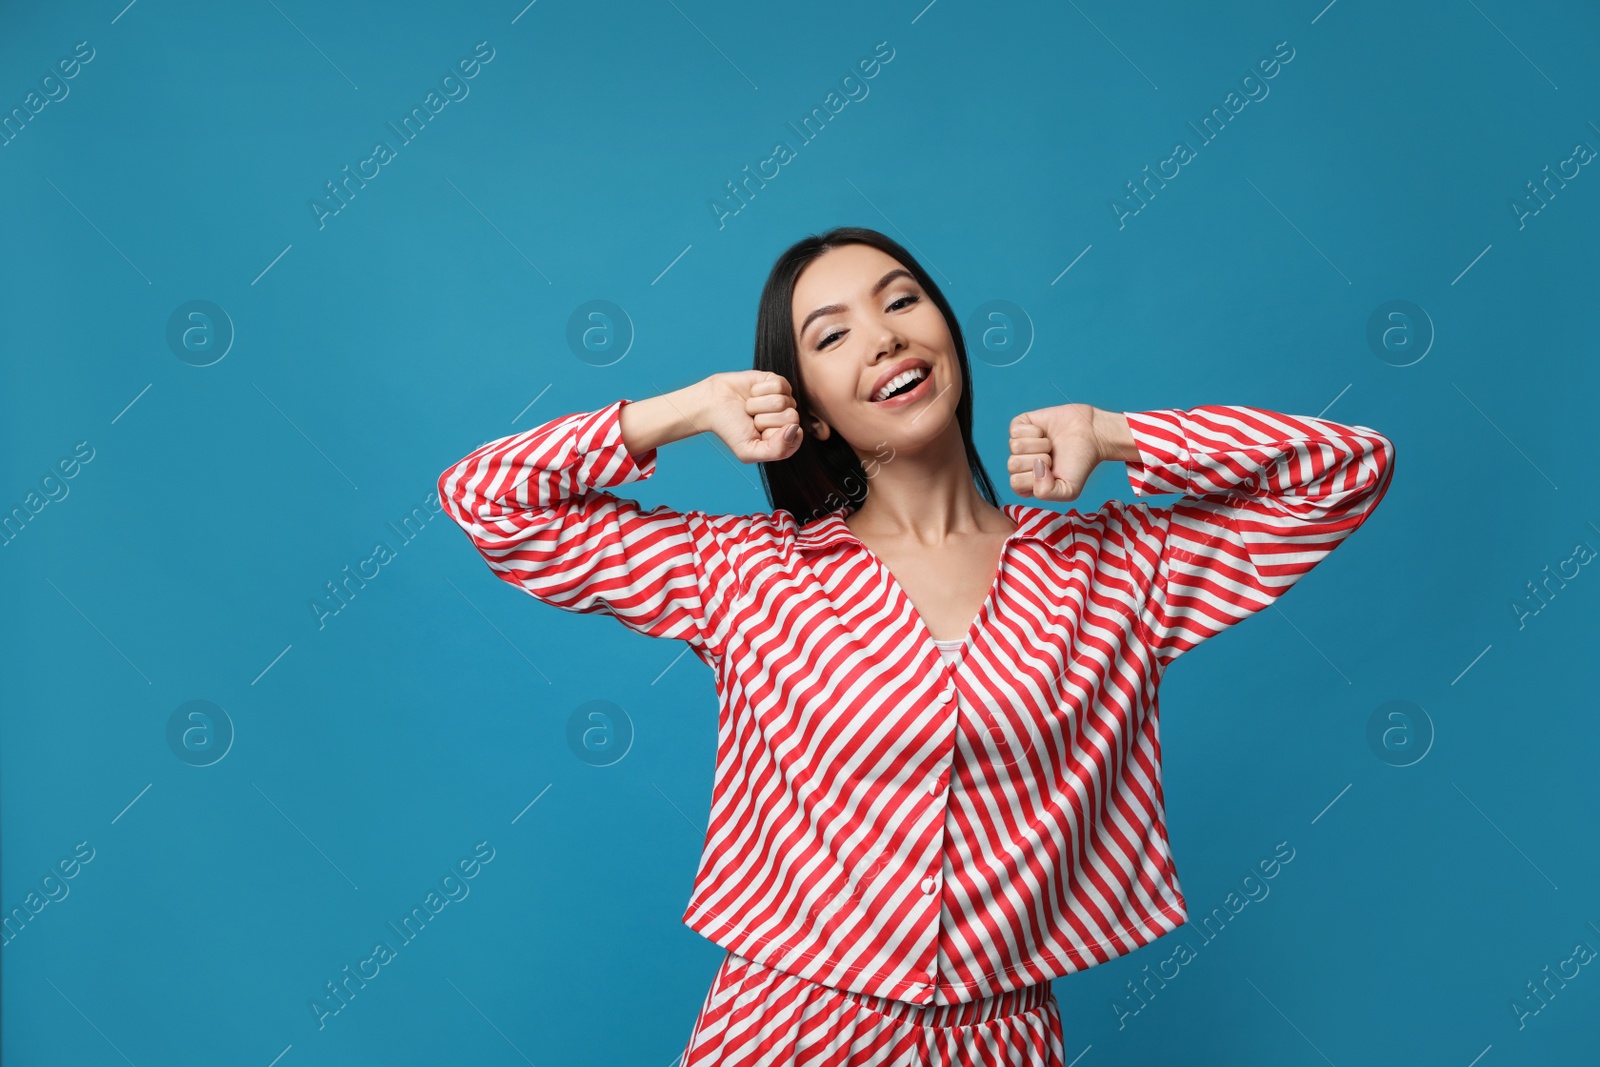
[(661, 420), (534, 507)]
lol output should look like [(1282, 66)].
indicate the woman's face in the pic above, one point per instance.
[(859, 318)]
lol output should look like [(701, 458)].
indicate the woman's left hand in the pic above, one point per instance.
[(1053, 451)]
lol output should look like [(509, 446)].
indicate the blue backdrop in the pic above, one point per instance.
[(271, 267)]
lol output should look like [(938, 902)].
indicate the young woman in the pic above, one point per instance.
[(938, 777)]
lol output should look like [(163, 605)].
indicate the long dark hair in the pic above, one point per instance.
[(824, 475)]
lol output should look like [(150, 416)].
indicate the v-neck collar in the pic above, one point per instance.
[(1033, 523)]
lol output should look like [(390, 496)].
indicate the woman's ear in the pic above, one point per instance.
[(820, 429)]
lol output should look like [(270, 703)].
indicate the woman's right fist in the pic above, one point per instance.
[(755, 414)]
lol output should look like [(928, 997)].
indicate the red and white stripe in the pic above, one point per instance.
[(755, 1016), (884, 822)]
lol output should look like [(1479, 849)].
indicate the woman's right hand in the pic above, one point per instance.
[(754, 413)]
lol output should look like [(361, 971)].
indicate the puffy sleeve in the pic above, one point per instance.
[(1266, 497), (534, 505)]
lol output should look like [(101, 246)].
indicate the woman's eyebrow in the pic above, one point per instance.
[(898, 272)]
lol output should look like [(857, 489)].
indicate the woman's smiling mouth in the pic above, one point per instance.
[(908, 396)]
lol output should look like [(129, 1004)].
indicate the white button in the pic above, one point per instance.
[(949, 696), (930, 884), (937, 784)]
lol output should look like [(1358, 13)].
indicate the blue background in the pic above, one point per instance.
[(373, 749)]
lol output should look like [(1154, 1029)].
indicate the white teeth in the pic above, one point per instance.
[(898, 380)]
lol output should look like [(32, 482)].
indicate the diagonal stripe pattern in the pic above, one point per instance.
[(888, 823)]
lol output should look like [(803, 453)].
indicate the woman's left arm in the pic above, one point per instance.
[(1266, 497)]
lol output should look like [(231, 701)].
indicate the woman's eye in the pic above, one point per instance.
[(910, 298)]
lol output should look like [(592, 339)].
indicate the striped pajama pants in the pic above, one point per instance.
[(756, 1016)]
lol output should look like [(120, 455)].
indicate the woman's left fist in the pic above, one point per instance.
[(1053, 451)]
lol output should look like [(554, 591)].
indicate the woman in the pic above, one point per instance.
[(938, 780)]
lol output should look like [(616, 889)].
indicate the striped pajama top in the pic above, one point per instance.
[(885, 820)]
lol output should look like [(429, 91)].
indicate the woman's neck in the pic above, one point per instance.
[(926, 515)]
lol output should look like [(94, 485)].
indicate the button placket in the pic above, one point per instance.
[(947, 700), (925, 979)]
